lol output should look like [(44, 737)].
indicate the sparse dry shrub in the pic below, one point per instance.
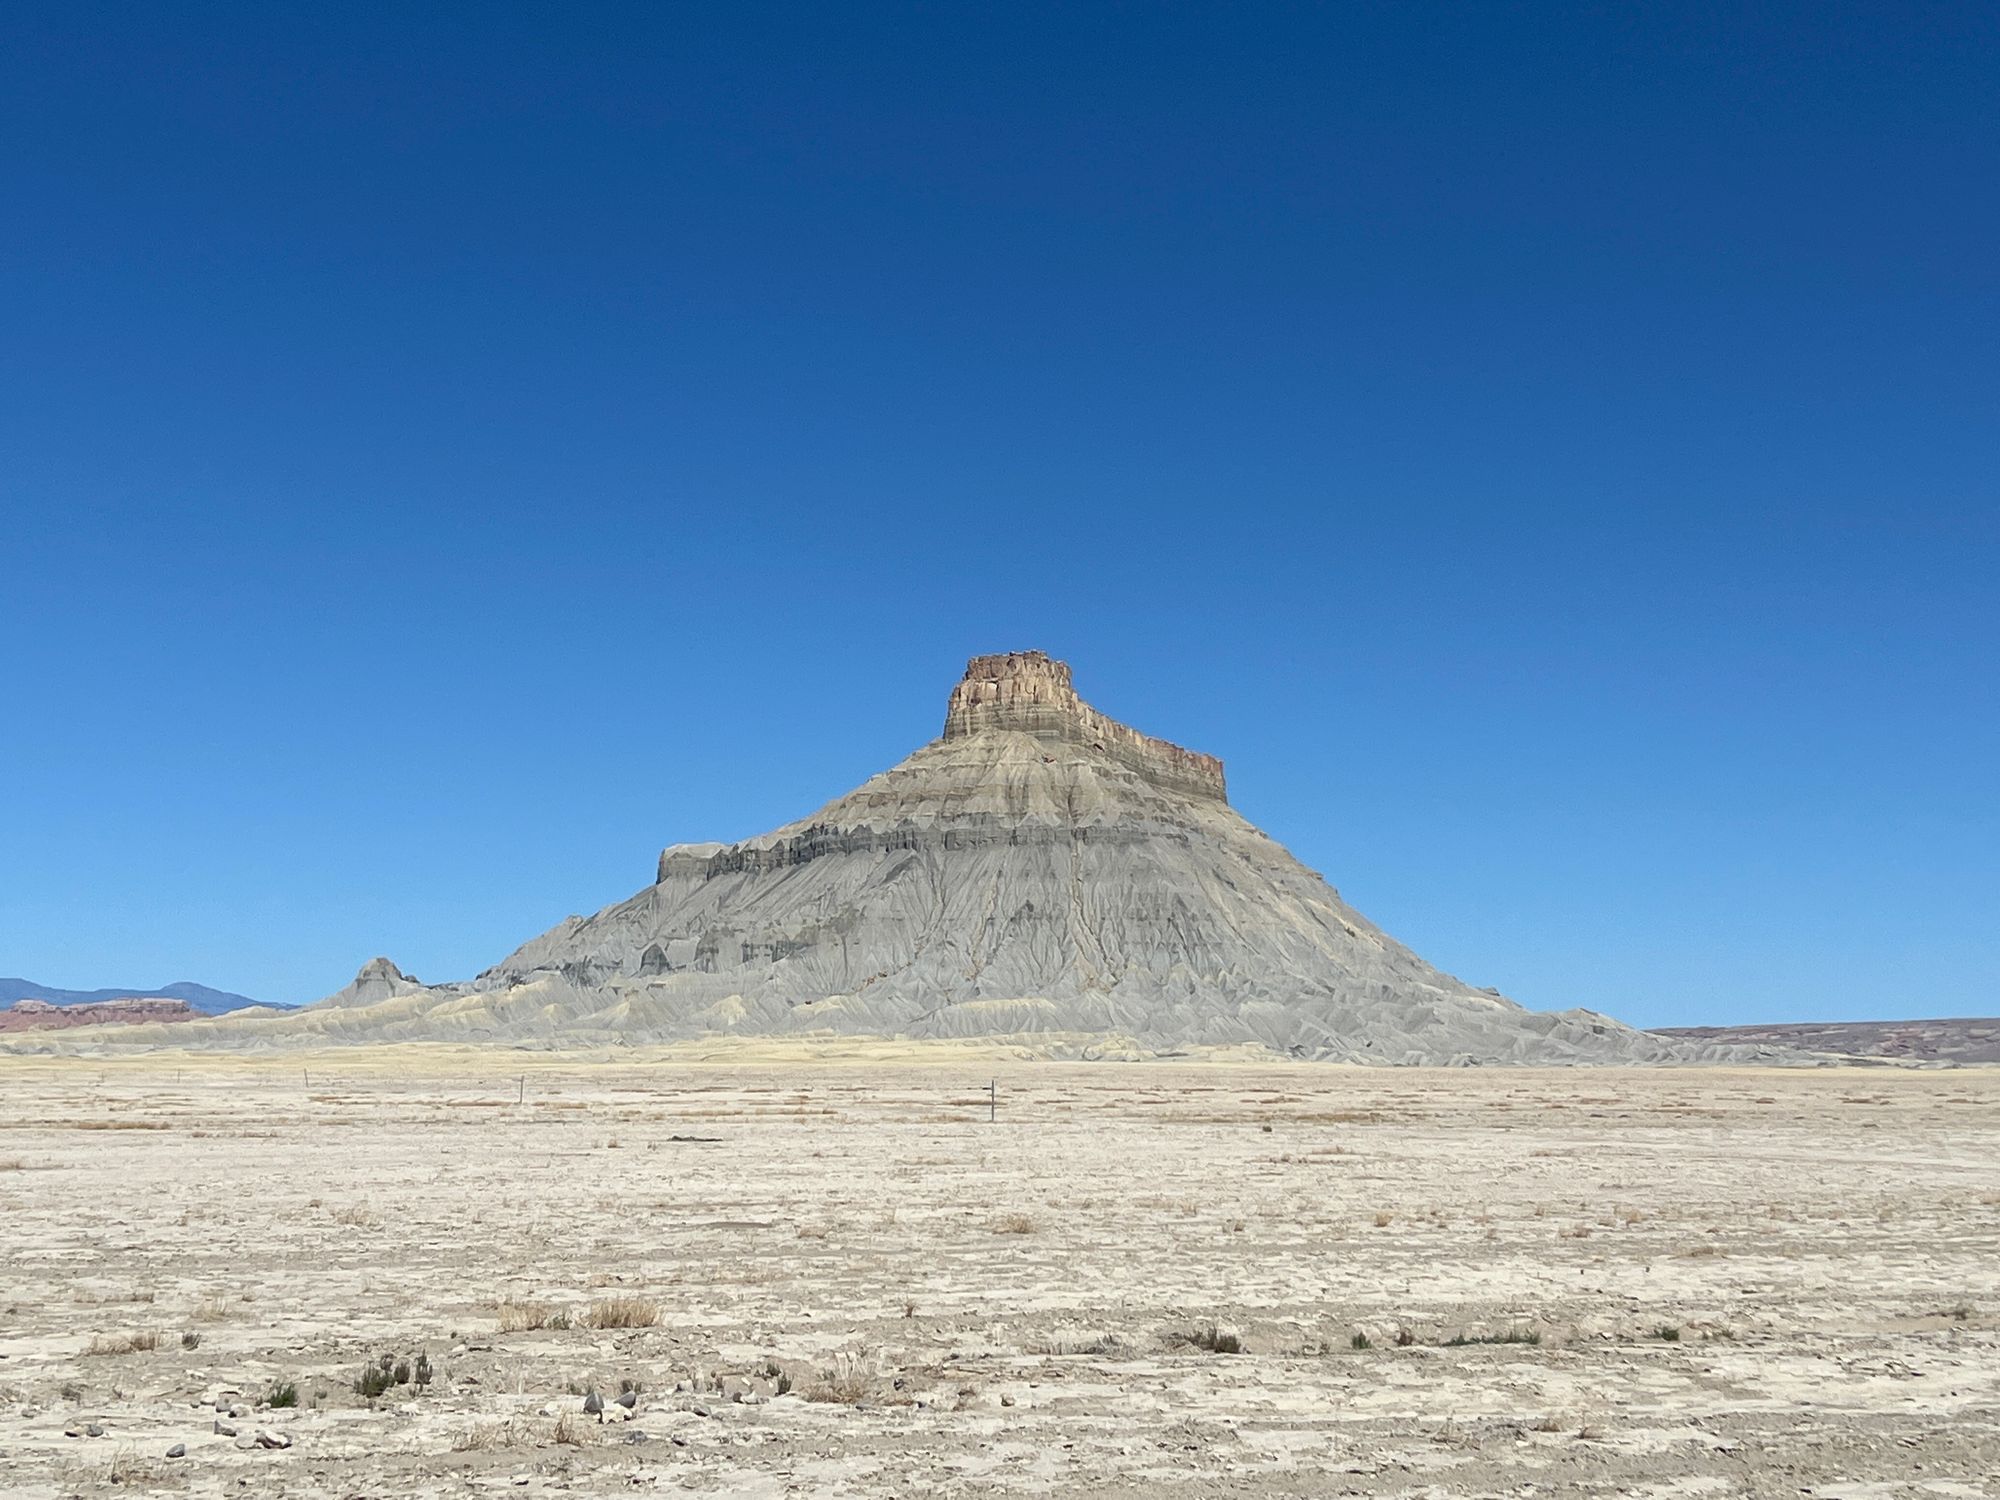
[(1515, 1335), (359, 1215), (1013, 1224), (571, 1431), (849, 1379), (624, 1312), (843, 1386), (482, 1437), (125, 1467), (1209, 1337), (1099, 1344)]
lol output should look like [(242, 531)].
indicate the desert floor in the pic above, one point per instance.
[(1473, 1283)]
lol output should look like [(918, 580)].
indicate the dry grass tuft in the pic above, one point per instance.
[(624, 1312), (1013, 1224), (109, 1124), (124, 1343), (571, 1431), (100, 1297), (522, 1317)]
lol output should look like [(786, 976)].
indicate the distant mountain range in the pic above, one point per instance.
[(199, 996), (1963, 1040)]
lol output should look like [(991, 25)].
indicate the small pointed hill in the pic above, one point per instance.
[(1039, 875)]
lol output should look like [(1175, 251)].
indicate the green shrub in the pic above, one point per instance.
[(374, 1380)]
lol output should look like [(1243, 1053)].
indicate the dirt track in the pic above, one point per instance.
[(1711, 1283)]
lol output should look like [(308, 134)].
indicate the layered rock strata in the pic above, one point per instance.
[(1028, 692)]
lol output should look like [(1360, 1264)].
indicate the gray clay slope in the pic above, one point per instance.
[(1039, 872)]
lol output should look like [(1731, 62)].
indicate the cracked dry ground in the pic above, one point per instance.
[(1700, 1282)]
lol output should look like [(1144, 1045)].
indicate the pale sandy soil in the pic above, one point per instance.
[(965, 1308)]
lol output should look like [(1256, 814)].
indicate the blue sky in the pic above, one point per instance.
[(1550, 452)]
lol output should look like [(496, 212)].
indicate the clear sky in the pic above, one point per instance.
[(1551, 452)]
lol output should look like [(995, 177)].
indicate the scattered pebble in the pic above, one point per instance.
[(179, 1450)]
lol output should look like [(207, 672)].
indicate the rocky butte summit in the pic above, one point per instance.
[(1039, 874)]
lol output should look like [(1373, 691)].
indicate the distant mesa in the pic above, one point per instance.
[(1040, 877), (199, 998), (40, 1015)]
